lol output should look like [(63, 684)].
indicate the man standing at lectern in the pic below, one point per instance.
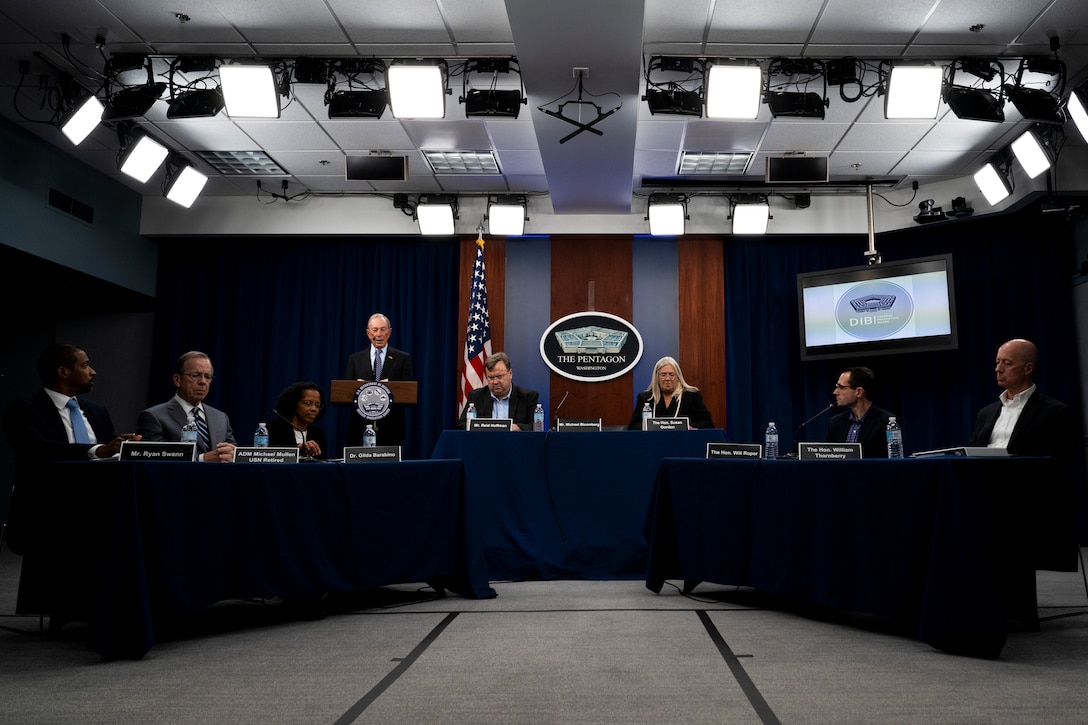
[(383, 363), (1024, 421)]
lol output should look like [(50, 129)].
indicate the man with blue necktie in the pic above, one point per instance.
[(379, 362), (53, 424)]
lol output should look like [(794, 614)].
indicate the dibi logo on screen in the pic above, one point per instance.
[(874, 310)]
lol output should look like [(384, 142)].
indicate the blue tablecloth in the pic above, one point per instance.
[(946, 546), (129, 542), (565, 505)]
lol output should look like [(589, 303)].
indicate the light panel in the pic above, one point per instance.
[(1078, 110), (144, 158), (186, 186), (416, 91), (435, 218), (914, 91), (734, 91), (992, 184), (1029, 152), (506, 219), (751, 218), (666, 217), (80, 124), (249, 91)]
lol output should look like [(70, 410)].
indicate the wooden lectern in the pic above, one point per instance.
[(404, 391)]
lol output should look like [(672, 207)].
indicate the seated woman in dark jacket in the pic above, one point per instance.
[(670, 396), (298, 406)]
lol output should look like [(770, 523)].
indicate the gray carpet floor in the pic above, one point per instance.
[(546, 652)]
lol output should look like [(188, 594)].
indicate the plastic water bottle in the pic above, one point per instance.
[(647, 413), (895, 439), (770, 441), (538, 418), (370, 438), (189, 431), (260, 437), (470, 414)]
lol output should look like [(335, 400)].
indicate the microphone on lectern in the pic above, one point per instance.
[(555, 413)]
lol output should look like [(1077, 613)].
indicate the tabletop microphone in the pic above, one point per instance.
[(286, 420), (801, 427), (555, 412)]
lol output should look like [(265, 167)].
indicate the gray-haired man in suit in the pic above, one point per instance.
[(193, 377)]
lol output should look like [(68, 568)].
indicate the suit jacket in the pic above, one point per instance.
[(281, 433), (163, 422), (396, 366), (522, 404), (1045, 428), (36, 434), (691, 406), (873, 435)]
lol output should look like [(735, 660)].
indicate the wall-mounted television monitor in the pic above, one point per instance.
[(879, 309)]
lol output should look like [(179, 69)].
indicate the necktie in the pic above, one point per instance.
[(377, 364), (79, 430), (202, 431)]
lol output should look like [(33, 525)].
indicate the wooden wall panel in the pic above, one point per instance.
[(701, 289), (606, 262)]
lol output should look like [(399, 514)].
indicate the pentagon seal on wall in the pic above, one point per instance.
[(591, 346)]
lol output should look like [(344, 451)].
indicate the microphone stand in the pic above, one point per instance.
[(555, 413), (291, 423), (801, 427)]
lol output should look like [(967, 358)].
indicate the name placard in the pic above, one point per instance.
[(490, 424), (248, 454), (828, 451), (157, 451), (578, 425), (666, 424), (375, 454), (734, 450)]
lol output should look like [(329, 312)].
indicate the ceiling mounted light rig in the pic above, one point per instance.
[(579, 101), (786, 88), (675, 86), (486, 97)]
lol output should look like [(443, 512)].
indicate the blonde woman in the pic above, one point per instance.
[(670, 396)]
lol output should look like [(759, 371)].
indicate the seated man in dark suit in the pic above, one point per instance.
[(52, 425), (1023, 421), (193, 377), (862, 422), (501, 398)]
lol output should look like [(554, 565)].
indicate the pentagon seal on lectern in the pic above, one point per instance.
[(373, 400)]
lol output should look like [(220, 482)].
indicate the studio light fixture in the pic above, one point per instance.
[(913, 91), (1029, 151), (751, 214), (675, 86), (356, 88), (734, 91), (183, 184), (250, 91), (417, 90), (786, 92), (142, 156), (487, 88), (984, 100), (992, 180), (436, 213), (506, 215), (1077, 106), (1037, 89), (82, 119), (194, 88), (666, 214), (131, 89)]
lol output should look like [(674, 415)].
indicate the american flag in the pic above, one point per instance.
[(478, 334)]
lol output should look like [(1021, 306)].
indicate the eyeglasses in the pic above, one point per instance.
[(498, 376), (197, 376), (845, 387), (312, 403)]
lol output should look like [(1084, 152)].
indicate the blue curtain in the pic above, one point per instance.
[(270, 312), (1013, 279)]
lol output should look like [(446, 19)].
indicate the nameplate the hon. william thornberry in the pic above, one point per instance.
[(253, 454), (578, 425), (157, 451), (735, 451), (666, 424), (490, 424), (828, 451), (374, 454)]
